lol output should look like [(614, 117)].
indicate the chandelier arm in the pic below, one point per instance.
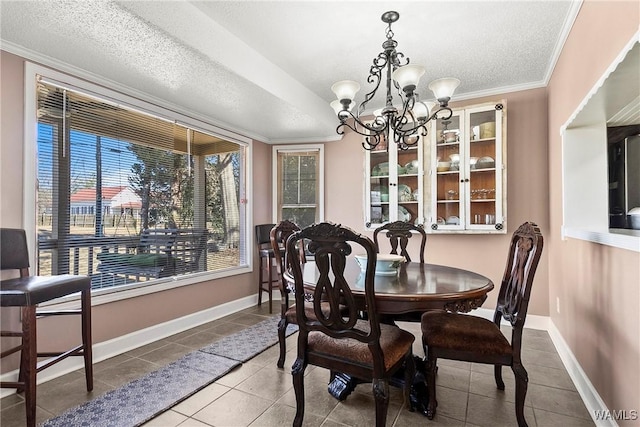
[(376, 127), (434, 116), (409, 137), (375, 77)]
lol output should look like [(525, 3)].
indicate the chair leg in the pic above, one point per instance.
[(497, 373), (270, 284), (409, 375), (282, 330), (28, 362), (87, 350), (522, 379), (260, 280), (431, 384), (297, 371), (381, 395)]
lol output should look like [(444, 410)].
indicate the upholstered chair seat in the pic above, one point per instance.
[(393, 341), (448, 331)]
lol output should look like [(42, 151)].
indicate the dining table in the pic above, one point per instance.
[(405, 294)]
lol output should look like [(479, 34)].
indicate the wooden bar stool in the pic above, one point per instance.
[(266, 259), (27, 292)]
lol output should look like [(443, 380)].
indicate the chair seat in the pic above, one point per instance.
[(461, 332), (32, 290), (395, 344)]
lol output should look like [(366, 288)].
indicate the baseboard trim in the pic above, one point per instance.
[(587, 391), (106, 349)]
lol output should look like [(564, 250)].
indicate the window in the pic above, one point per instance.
[(298, 184), (130, 196)]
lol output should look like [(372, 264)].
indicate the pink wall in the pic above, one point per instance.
[(598, 286), (526, 194)]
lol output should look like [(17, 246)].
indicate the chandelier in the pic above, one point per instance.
[(406, 122)]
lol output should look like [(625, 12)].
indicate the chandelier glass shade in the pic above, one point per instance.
[(405, 122)]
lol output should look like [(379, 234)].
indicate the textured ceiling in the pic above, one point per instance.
[(264, 68)]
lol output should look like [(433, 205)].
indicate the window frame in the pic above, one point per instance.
[(110, 91), (299, 148)]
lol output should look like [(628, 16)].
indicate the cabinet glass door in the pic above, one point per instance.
[(448, 183), (409, 187), (484, 186), (379, 186), (394, 184)]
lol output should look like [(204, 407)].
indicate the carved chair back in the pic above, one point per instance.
[(278, 238), (331, 244), (513, 300), (399, 233)]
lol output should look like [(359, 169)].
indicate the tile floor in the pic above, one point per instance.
[(259, 394)]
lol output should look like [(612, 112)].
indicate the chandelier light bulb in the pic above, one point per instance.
[(421, 110), (345, 89), (337, 106), (408, 76), (443, 88)]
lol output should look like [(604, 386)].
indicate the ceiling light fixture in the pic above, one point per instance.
[(406, 122)]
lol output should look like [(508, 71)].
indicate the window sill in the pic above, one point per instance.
[(617, 238), (106, 296)]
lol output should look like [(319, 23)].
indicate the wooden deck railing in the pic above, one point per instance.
[(79, 255)]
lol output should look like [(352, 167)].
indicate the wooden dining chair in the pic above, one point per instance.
[(27, 292), (278, 237), (475, 339), (266, 258), (339, 341), (399, 233)]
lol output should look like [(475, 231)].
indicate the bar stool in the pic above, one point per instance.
[(266, 260), (27, 292)]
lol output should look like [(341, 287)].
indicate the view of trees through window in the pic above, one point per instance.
[(110, 177), (298, 180)]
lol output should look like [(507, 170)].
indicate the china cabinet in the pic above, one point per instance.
[(394, 184), (467, 172)]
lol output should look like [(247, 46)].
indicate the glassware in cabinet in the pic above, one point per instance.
[(446, 175), (486, 199), (467, 172)]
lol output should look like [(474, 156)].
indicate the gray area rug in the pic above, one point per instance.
[(250, 342), (142, 399)]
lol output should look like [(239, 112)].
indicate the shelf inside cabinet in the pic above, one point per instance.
[(478, 141)]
